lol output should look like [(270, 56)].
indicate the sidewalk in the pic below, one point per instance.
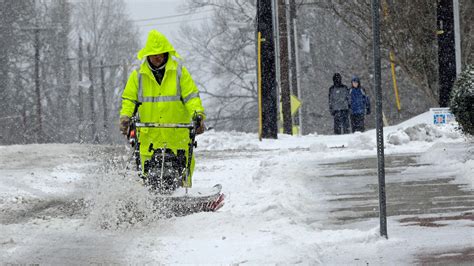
[(416, 197)]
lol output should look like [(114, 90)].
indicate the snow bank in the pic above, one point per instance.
[(213, 140), (417, 129), (455, 159), (360, 141), (318, 147), (422, 132), (398, 138), (217, 140)]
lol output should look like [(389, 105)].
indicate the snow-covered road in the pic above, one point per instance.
[(292, 200)]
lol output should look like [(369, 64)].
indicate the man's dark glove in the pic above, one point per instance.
[(201, 127), (368, 111), (124, 124)]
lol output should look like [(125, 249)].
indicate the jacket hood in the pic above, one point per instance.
[(157, 43), (356, 79), (337, 79)]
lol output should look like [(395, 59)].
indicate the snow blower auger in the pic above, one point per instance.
[(166, 173)]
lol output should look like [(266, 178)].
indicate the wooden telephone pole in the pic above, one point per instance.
[(284, 67), (267, 73), (446, 49), (39, 110)]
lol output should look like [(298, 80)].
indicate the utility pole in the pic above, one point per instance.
[(39, 121), (81, 108), (379, 116), (297, 71), (457, 37), (104, 96), (284, 70), (39, 111), (104, 133), (267, 84), (91, 95), (291, 38), (446, 50)]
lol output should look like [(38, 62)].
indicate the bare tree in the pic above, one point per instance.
[(222, 52), (15, 89), (36, 81), (415, 47), (53, 20), (105, 26), (409, 29)]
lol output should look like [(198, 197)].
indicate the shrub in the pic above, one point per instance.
[(462, 100)]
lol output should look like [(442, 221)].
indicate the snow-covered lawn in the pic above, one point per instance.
[(308, 199)]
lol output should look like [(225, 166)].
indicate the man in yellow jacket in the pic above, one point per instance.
[(167, 94)]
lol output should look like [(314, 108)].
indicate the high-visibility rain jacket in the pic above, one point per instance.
[(174, 101)]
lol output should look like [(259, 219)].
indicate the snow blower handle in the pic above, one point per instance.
[(196, 122), (132, 128)]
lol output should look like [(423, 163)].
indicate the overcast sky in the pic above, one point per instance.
[(147, 9)]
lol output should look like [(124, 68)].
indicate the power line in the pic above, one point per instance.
[(172, 16), (174, 22)]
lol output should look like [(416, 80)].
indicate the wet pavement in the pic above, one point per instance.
[(412, 194), (434, 195)]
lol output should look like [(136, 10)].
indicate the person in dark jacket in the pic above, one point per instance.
[(360, 105), (339, 105)]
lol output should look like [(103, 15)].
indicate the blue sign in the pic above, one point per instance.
[(439, 119)]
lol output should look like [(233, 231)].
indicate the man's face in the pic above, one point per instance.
[(157, 59), (355, 84)]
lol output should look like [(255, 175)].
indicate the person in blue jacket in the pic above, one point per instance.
[(360, 105)]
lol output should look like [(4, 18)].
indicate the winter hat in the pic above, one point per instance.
[(356, 79)]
